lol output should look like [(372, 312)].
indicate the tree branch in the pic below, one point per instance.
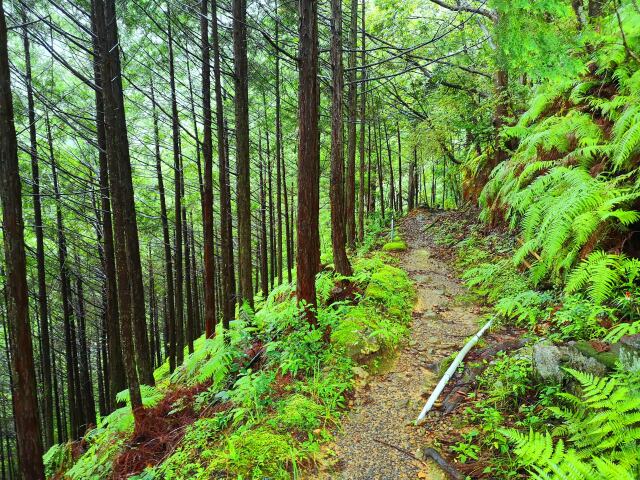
[(466, 8)]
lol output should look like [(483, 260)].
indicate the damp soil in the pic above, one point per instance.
[(378, 440)]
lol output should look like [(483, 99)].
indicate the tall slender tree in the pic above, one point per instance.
[(177, 170), (228, 291), (350, 184), (75, 410), (121, 188), (25, 397), (243, 189), (170, 317), (363, 83), (43, 307), (308, 244), (336, 191), (279, 156), (207, 153), (264, 262), (115, 367)]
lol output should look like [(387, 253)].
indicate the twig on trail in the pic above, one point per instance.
[(430, 225), (451, 370), (401, 450), (443, 464), (431, 453)]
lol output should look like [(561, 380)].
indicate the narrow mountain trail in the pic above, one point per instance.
[(379, 430)]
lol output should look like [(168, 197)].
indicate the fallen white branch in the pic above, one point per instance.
[(451, 370)]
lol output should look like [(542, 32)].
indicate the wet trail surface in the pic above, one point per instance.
[(378, 435)]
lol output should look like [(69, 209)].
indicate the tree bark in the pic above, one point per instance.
[(197, 316), (86, 386), (189, 327), (269, 187), (264, 268), (279, 156), (308, 245), (392, 188), (400, 206), (228, 289), (336, 191), (350, 184), (243, 186), (379, 167), (115, 366), (288, 222), (207, 153), (25, 397), (177, 168), (170, 318), (121, 188), (43, 307), (363, 83)]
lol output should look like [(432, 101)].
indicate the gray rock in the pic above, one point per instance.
[(549, 361), (630, 352)]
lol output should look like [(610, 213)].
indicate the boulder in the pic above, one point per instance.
[(629, 352), (549, 361)]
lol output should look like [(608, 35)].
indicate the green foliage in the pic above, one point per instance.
[(600, 430), (604, 276), (571, 180), (581, 318), (210, 361), (373, 234), (249, 396), (298, 412), (301, 386), (379, 321), (560, 213), (151, 396), (526, 308), (495, 279), (507, 379), (256, 453), (96, 462), (58, 458)]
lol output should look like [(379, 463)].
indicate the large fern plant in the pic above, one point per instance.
[(573, 178), (603, 275), (599, 437)]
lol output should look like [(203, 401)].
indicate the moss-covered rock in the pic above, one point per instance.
[(395, 246)]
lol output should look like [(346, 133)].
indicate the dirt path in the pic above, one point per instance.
[(385, 408)]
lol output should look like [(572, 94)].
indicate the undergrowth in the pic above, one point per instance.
[(260, 401), (516, 424)]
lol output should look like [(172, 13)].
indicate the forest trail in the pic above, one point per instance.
[(385, 407)]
